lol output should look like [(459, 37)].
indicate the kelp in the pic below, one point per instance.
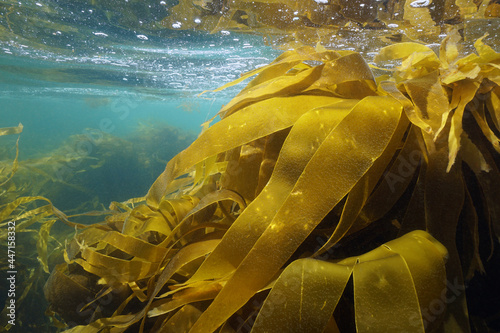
[(4, 179), (398, 173), (65, 175), (313, 288), (27, 248), (86, 170)]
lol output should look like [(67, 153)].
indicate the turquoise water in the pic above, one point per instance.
[(124, 89), (55, 96)]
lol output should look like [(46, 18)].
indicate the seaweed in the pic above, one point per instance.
[(78, 177), (324, 198)]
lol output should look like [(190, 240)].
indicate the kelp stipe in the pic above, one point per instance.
[(227, 235)]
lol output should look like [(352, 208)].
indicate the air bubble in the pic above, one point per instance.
[(420, 3)]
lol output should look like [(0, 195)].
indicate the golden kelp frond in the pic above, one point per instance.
[(441, 88), (4, 179), (314, 158), (307, 292), (144, 249), (340, 161), (11, 130), (32, 248), (305, 90)]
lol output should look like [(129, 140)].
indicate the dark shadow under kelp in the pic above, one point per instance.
[(324, 199)]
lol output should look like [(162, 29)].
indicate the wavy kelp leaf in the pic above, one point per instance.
[(11, 130), (444, 199), (112, 270), (89, 236), (360, 193), (409, 108), (376, 287), (134, 246), (279, 86), (15, 166), (10, 207), (480, 117), (458, 71), (465, 92), (378, 276), (185, 296), (486, 53), (143, 219), (120, 206), (179, 208), (330, 174), (272, 149), (400, 51), (41, 244), (203, 172), (429, 99), (185, 255), (300, 54), (417, 65), (285, 85), (425, 260), (243, 166), (461, 75), (188, 222), (473, 156), (493, 104), (279, 66), (395, 181), (120, 321), (298, 148), (182, 320), (448, 50), (346, 68), (339, 67), (303, 298), (306, 293), (248, 124)]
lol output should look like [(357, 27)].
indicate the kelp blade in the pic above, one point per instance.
[(307, 292), (324, 182)]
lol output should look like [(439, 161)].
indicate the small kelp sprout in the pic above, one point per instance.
[(315, 159)]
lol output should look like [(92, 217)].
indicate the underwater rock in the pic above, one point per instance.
[(67, 294)]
